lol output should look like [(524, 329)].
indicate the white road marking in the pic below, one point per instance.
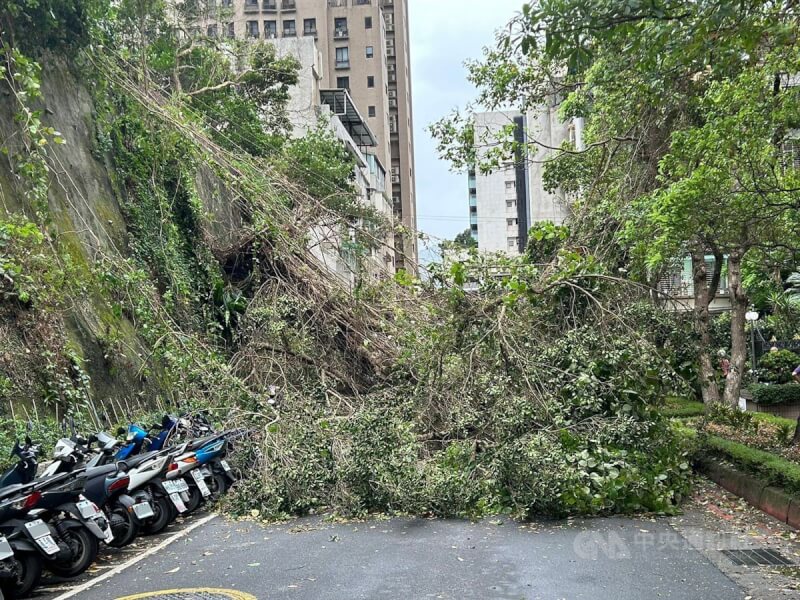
[(138, 558)]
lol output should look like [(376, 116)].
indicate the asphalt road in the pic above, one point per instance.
[(620, 559)]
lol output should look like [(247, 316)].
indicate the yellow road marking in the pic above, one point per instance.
[(231, 594)]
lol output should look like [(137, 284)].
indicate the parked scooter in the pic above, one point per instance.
[(78, 522)]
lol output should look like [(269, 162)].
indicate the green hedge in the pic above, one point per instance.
[(680, 408), (765, 465), (787, 393)]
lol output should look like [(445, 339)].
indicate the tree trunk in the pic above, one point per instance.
[(703, 296), (733, 382)]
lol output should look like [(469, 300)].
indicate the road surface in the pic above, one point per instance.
[(619, 558)]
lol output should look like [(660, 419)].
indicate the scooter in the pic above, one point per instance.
[(32, 540), (146, 485), (25, 469), (78, 522)]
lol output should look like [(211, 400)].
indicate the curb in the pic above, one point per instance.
[(771, 500)]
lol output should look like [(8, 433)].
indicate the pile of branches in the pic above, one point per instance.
[(535, 395)]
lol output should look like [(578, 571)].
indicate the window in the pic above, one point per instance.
[(511, 186), (343, 83), (367, 22), (251, 5), (252, 29), (289, 29), (370, 52), (309, 26), (512, 243), (343, 58), (512, 222), (370, 81), (211, 31), (270, 29), (227, 3), (340, 28), (790, 150), (371, 111), (231, 30), (511, 204)]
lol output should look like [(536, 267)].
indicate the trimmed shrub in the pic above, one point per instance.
[(777, 367), (766, 465), (788, 393)]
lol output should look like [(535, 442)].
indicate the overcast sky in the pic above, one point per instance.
[(444, 34)]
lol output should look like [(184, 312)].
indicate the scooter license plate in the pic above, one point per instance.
[(5, 548), (205, 471), (201, 484), (143, 510), (225, 466), (176, 487), (178, 502), (87, 509), (40, 533), (48, 544)]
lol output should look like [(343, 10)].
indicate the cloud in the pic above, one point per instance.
[(444, 34)]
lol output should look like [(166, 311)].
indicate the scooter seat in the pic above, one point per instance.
[(14, 490), (200, 442), (93, 472), (135, 461)]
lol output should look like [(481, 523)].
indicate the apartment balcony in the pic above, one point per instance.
[(270, 6), (290, 33), (288, 5), (342, 64), (341, 34), (337, 3), (362, 2), (473, 219), (310, 32), (251, 6), (473, 201)]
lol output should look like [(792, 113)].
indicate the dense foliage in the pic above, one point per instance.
[(778, 366), (536, 394), (690, 112), (786, 393)]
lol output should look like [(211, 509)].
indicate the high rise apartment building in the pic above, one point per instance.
[(506, 202), (364, 46)]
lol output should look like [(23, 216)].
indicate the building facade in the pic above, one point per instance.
[(364, 49), (310, 106), (506, 201)]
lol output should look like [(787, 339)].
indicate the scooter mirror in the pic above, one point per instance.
[(28, 441), (121, 431), (123, 467)]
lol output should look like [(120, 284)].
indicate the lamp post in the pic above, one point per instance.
[(751, 317)]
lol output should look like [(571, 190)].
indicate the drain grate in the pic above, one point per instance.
[(760, 557), (191, 594)]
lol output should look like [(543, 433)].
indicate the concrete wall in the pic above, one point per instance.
[(497, 191), (545, 130)]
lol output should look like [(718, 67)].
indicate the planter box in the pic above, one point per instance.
[(788, 411)]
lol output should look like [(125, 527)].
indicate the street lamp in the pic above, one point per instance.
[(752, 316)]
